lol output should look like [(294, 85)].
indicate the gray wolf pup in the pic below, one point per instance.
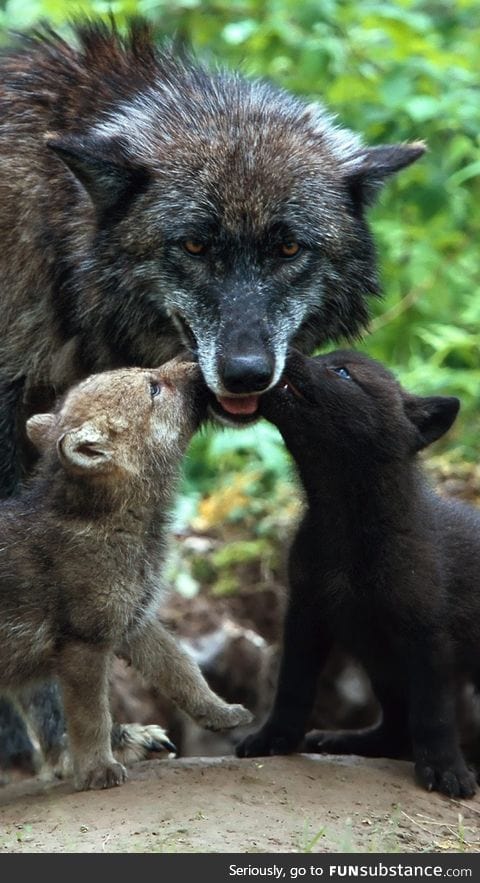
[(82, 552), (380, 565)]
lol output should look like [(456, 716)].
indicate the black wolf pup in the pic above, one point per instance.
[(380, 565)]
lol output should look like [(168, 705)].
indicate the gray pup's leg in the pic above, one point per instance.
[(156, 654), (83, 673)]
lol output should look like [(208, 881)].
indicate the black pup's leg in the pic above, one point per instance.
[(16, 748), (305, 650), (306, 645), (439, 762), (389, 738), (43, 710)]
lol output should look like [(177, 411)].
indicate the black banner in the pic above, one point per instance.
[(223, 868)]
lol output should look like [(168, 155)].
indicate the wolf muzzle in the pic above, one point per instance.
[(250, 373)]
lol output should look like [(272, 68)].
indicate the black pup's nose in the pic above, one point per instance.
[(247, 373)]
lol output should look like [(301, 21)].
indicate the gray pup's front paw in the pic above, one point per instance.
[(105, 775), (225, 717), (134, 742)]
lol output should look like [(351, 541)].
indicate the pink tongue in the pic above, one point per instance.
[(245, 405)]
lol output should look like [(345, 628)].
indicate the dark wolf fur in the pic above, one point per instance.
[(82, 552), (380, 565), (113, 154)]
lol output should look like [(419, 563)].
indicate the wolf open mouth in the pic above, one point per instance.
[(242, 411), (245, 406), (235, 411)]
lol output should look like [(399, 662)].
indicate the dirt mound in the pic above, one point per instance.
[(302, 803)]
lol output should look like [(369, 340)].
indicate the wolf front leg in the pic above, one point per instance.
[(305, 649), (439, 762), (306, 645), (156, 654), (83, 674)]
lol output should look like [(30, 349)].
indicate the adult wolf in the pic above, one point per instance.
[(147, 204)]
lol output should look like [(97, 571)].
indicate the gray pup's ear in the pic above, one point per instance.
[(432, 416), (39, 430), (85, 450), (367, 171), (101, 167)]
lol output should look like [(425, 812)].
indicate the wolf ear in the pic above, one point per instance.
[(432, 416), (39, 430), (101, 168), (367, 170), (85, 450)]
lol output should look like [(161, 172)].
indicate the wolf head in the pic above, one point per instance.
[(230, 209)]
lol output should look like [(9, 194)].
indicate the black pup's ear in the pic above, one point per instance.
[(432, 416)]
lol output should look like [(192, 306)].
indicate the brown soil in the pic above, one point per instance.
[(296, 804)]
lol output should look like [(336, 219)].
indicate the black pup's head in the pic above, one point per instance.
[(347, 404)]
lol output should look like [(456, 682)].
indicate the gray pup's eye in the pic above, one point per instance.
[(342, 372), (154, 389)]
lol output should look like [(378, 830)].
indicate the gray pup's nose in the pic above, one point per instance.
[(250, 373)]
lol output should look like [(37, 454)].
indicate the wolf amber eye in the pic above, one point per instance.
[(194, 248), (154, 389), (289, 249), (342, 372)]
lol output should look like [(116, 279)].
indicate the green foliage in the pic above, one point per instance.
[(392, 70)]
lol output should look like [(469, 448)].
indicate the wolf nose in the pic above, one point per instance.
[(247, 374)]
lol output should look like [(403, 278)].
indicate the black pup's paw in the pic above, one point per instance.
[(319, 743), (326, 742), (266, 742), (371, 742), (455, 780)]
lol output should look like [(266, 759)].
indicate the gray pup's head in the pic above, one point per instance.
[(123, 425)]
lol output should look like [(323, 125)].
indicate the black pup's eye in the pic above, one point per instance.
[(154, 389), (342, 372)]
